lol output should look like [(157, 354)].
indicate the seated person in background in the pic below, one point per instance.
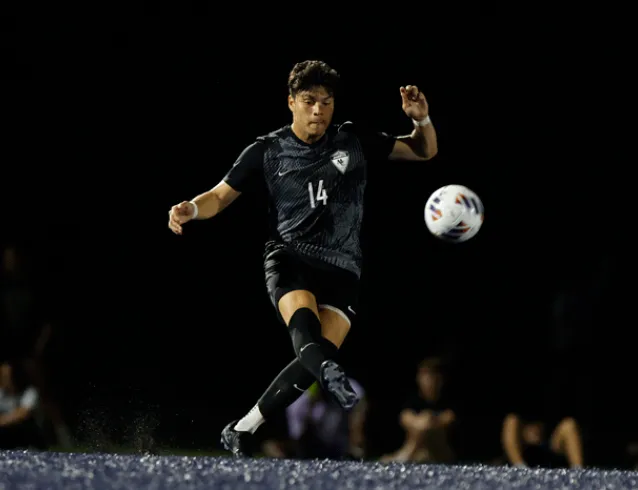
[(526, 443), (18, 403), (318, 428), (426, 419)]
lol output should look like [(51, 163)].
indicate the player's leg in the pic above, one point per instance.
[(316, 338), (289, 384), (337, 300), (335, 326), (294, 379), (300, 313), (337, 296), (326, 325), (283, 276)]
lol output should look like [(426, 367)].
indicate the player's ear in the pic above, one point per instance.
[(291, 102)]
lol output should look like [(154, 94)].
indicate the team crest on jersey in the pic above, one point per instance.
[(340, 159)]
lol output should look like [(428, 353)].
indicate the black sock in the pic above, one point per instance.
[(295, 378), (291, 382), (311, 348)]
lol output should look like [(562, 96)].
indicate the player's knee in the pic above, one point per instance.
[(295, 300)]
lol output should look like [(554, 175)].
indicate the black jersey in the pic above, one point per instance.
[(315, 190)]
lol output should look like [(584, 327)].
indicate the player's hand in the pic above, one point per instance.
[(180, 214), (413, 103)]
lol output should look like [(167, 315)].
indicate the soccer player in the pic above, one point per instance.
[(315, 175)]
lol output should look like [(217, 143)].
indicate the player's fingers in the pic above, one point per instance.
[(174, 218)]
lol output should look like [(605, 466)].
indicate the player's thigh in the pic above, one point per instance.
[(338, 293), (293, 300), (287, 283)]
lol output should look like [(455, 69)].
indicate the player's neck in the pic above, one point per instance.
[(303, 135)]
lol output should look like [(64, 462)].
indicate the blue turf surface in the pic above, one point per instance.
[(33, 470)]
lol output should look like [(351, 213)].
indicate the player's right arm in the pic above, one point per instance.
[(247, 168)]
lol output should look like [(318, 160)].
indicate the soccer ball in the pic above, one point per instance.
[(454, 213)]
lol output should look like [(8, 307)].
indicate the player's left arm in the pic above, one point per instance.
[(421, 144)]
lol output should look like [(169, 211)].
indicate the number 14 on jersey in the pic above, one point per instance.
[(321, 194)]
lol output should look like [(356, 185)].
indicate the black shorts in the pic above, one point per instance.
[(285, 270)]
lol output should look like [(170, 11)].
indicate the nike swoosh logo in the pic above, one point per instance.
[(281, 174), (305, 346), (351, 310), (300, 389)]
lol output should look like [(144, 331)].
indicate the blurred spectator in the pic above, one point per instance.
[(319, 428), (427, 419), (25, 332), (631, 456), (18, 406), (527, 443), (23, 327)]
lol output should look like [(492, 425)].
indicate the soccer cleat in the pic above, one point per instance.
[(335, 382), (237, 442)]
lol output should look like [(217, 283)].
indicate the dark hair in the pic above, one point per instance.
[(308, 74), (432, 364)]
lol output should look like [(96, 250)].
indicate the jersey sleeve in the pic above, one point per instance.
[(248, 169), (376, 145)]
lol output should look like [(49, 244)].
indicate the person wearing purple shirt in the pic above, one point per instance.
[(319, 428)]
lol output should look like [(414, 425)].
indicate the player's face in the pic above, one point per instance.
[(312, 112)]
